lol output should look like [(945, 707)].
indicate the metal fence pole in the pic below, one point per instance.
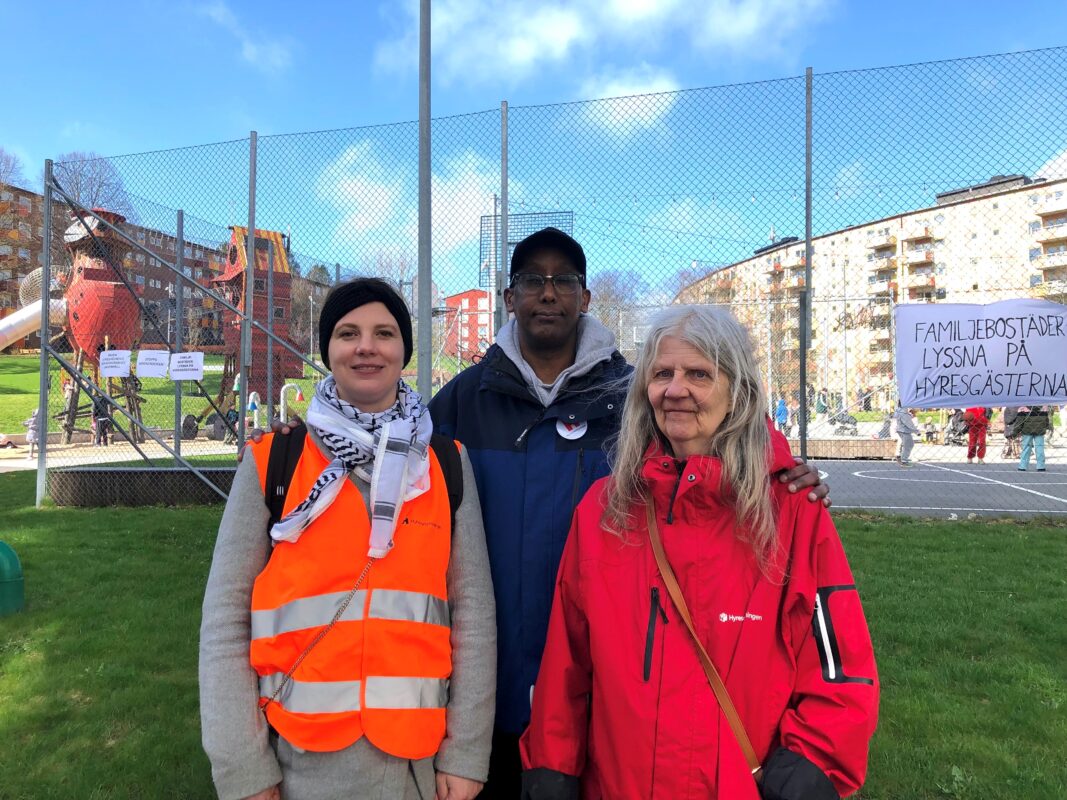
[(270, 328), (805, 295), (250, 269), (179, 319), (46, 311), (501, 312), (425, 313)]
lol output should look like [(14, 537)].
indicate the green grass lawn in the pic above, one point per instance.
[(98, 676)]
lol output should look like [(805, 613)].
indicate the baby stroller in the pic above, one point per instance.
[(844, 424), (956, 430)]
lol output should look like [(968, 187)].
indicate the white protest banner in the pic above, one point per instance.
[(1011, 353), (114, 363), (152, 363), (187, 366)]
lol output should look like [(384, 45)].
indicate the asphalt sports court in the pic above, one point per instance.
[(943, 488)]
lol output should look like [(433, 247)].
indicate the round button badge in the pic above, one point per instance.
[(571, 430)]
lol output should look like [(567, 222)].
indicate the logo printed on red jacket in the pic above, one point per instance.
[(724, 617)]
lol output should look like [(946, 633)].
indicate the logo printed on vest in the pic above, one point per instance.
[(571, 430), (421, 523)]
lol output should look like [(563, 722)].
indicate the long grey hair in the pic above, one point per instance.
[(741, 443)]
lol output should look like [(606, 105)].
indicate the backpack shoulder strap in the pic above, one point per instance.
[(447, 454), (281, 464)]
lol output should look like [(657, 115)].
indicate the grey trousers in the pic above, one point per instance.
[(907, 442)]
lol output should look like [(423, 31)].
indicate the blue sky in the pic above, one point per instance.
[(126, 77), (655, 184)]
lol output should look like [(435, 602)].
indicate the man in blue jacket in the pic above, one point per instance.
[(535, 415)]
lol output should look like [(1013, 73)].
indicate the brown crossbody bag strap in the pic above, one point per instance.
[(717, 686)]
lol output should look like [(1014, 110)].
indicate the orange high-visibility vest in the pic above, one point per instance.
[(383, 669)]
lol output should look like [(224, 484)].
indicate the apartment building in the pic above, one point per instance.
[(1001, 239), (468, 324)]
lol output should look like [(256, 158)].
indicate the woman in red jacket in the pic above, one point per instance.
[(622, 707)]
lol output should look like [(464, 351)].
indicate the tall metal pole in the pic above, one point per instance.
[(270, 328), (250, 269), (179, 317), (805, 294), (425, 318), (502, 249), (46, 310)]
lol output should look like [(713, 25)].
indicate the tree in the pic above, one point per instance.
[(11, 169), (614, 303), (94, 182)]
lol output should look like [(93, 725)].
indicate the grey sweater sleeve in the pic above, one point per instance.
[(234, 730), (472, 691)]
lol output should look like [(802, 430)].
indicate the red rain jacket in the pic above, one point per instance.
[(795, 653)]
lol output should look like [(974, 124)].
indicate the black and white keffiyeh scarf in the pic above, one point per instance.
[(388, 449)]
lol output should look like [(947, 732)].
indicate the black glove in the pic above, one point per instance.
[(790, 776), (548, 784)]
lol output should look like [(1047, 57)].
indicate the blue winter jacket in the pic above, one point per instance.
[(530, 477)]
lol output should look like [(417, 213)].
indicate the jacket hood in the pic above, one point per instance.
[(595, 344)]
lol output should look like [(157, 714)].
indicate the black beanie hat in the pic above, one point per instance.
[(348, 296)]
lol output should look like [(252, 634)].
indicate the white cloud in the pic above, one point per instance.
[(645, 104), (262, 52), (489, 41), (849, 181), (374, 198), (475, 41), (358, 186), (1055, 168)]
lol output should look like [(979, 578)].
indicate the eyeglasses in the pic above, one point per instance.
[(532, 283)]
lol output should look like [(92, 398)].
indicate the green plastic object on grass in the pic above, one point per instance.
[(12, 592)]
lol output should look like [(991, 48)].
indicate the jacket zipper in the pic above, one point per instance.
[(650, 637), (674, 493), (531, 426), (577, 479)]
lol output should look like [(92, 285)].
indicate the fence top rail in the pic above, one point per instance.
[(160, 151)]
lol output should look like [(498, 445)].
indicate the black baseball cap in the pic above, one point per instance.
[(548, 239)]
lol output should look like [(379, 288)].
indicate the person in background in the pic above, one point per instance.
[(350, 650), (977, 425), (101, 413), (33, 429), (622, 708), (1031, 425), (1011, 439), (907, 429), (781, 416)]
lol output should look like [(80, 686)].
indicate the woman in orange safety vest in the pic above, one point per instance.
[(351, 652)]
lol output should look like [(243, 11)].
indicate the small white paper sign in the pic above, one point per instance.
[(187, 366), (115, 364), (152, 363)]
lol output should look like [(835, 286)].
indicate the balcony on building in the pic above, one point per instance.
[(795, 284), (921, 279), (1052, 234), (1051, 261), (1054, 289), (880, 355), (882, 288), (775, 268), (923, 234), (878, 264), (916, 258), (881, 242), (795, 263), (882, 335), (1053, 206)]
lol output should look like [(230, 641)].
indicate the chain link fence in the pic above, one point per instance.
[(930, 183)]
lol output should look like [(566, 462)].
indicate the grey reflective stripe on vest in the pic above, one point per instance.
[(331, 697), (312, 697), (409, 606), (309, 612), (391, 692)]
